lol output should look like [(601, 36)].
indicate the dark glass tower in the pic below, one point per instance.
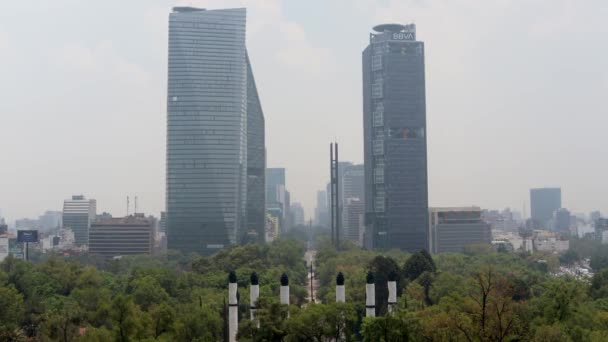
[(256, 162), (211, 94), (394, 120), (544, 202)]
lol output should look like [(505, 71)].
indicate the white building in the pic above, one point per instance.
[(78, 214), (550, 242)]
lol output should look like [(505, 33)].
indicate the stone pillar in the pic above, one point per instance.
[(284, 289), (392, 292), (370, 296), (340, 290), (233, 308), (254, 294)]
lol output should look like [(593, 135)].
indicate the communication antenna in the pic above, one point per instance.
[(135, 212), (127, 205)]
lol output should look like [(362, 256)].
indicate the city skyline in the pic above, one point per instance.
[(509, 138)]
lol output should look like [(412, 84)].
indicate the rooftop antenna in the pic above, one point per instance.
[(127, 205), (135, 212)]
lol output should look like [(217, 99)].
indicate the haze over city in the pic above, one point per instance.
[(515, 97)]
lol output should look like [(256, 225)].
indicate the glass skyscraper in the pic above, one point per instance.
[(394, 117), (214, 121), (544, 202)]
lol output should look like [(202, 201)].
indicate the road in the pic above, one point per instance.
[(309, 256)]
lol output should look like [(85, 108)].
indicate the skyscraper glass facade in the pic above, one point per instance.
[(256, 161), (544, 202), (394, 116), (207, 132)]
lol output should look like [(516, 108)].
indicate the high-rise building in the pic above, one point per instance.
[(595, 215), (3, 240), (452, 229), (353, 223), (352, 182), (352, 194), (214, 121), (297, 211), (562, 221), (322, 209), (78, 213), (276, 196), (544, 202), (275, 187), (256, 161), (394, 120), (129, 235)]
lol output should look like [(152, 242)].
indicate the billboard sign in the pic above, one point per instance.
[(27, 236)]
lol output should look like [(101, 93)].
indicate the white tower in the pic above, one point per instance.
[(370, 296), (392, 291), (254, 294), (233, 308), (340, 290)]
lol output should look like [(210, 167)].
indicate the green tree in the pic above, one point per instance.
[(125, 317), (11, 313), (62, 320), (196, 323), (569, 257), (163, 317), (381, 267), (146, 291), (417, 264)]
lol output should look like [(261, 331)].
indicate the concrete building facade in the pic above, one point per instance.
[(78, 214), (131, 235), (452, 229)]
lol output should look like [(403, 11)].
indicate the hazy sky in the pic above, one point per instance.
[(516, 97)]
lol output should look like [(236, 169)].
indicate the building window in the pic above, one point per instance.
[(378, 146), (406, 133), (378, 117), (376, 62)]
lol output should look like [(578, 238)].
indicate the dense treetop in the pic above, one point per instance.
[(477, 295)]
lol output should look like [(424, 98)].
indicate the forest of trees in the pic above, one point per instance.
[(478, 295)]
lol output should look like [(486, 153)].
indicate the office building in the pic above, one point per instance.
[(78, 213), (214, 121), (352, 182), (275, 187), (394, 120), (352, 193), (322, 209), (452, 229), (551, 242), (297, 212), (354, 222), (26, 223), (162, 223), (114, 237), (562, 221), (595, 215), (277, 196), (4, 250), (601, 230), (256, 161), (544, 202)]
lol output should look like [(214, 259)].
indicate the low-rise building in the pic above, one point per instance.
[(114, 237), (451, 229), (545, 241)]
